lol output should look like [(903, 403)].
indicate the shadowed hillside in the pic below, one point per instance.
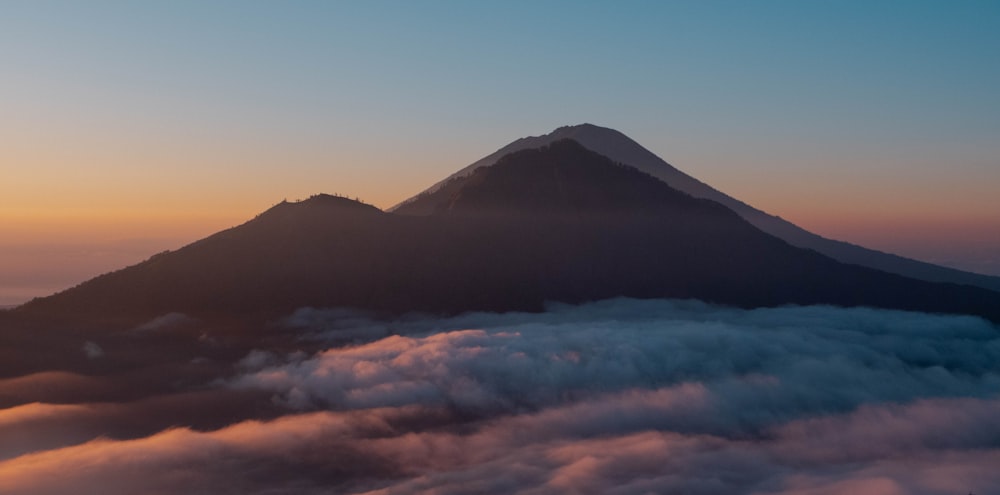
[(559, 223), (622, 149)]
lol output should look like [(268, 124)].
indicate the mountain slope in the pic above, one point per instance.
[(622, 149), (558, 223)]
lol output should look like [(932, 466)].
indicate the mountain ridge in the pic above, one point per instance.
[(525, 174), (620, 148), (608, 231)]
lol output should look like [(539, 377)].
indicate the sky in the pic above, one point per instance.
[(127, 128)]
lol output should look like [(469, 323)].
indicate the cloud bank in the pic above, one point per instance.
[(618, 396)]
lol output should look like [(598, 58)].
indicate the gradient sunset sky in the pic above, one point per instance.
[(127, 128)]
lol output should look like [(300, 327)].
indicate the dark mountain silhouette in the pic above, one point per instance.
[(556, 223), (622, 149)]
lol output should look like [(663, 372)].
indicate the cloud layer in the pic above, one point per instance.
[(619, 396)]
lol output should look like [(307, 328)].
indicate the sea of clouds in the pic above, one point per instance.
[(617, 396)]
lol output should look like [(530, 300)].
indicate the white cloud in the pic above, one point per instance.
[(615, 397), (765, 365)]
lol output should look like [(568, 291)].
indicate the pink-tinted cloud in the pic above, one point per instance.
[(617, 397)]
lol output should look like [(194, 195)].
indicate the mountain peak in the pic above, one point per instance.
[(585, 134), (586, 126), (322, 201), (562, 177), (554, 221), (622, 149), (602, 140), (333, 200)]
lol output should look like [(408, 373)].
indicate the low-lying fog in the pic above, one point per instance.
[(617, 396)]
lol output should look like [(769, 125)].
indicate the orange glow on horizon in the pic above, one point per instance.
[(103, 226)]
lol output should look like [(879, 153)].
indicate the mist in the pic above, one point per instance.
[(617, 396)]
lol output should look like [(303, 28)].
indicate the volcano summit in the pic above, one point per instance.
[(578, 215)]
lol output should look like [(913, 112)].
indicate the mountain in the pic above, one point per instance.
[(622, 149), (554, 223)]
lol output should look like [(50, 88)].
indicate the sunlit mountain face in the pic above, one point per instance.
[(562, 318)]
